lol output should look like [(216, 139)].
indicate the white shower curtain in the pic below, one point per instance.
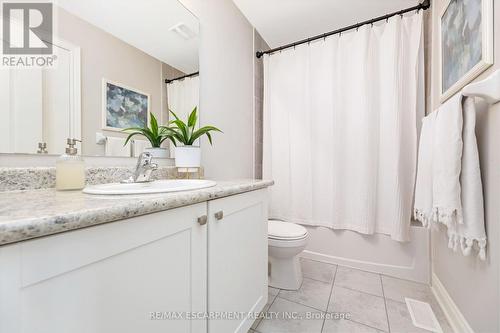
[(182, 96), (340, 132)]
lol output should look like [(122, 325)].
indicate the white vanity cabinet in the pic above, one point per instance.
[(129, 276), (108, 278)]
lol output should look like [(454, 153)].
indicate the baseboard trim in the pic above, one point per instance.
[(452, 312), (414, 271)]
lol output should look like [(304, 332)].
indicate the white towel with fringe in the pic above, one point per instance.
[(114, 147), (423, 187), (472, 229), (447, 162), (140, 146), (449, 188)]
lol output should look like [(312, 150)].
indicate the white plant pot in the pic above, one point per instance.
[(187, 157), (157, 152)]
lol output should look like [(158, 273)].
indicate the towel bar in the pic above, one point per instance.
[(489, 88)]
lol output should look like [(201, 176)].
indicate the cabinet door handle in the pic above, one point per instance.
[(219, 215), (202, 220)]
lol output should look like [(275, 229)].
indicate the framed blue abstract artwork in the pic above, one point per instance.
[(466, 43), (123, 106)]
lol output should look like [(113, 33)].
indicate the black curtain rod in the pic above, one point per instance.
[(424, 5), (182, 77)]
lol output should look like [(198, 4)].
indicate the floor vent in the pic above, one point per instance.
[(422, 315)]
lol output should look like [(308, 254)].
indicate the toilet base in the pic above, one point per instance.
[(285, 273)]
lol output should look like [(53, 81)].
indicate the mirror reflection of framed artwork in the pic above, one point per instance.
[(466, 43), (123, 107)]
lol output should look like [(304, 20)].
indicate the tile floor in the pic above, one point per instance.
[(375, 303)]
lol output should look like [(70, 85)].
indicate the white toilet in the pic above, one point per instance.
[(285, 240)]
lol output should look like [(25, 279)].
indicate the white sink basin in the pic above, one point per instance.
[(158, 186)]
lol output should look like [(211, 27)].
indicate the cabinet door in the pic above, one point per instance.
[(237, 259), (125, 276)]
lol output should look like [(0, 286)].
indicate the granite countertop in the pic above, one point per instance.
[(35, 213)]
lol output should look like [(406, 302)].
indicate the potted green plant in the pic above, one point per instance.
[(155, 134), (187, 155)]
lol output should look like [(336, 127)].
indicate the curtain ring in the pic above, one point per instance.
[(387, 20)]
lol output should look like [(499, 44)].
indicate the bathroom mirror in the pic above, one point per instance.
[(111, 63)]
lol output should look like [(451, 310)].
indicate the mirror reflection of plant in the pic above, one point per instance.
[(185, 133), (154, 133)]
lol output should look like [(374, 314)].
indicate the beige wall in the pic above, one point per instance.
[(105, 56), (474, 285), (226, 87)]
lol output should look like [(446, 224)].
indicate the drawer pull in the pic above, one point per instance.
[(219, 215), (202, 220)]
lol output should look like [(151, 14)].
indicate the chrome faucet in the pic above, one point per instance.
[(143, 169)]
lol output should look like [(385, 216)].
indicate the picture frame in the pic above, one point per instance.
[(452, 76), (123, 106)]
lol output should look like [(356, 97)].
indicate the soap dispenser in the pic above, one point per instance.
[(70, 169)]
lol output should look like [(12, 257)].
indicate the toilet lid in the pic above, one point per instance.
[(285, 230)]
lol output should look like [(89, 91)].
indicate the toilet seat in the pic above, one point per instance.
[(284, 243), (285, 231)]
